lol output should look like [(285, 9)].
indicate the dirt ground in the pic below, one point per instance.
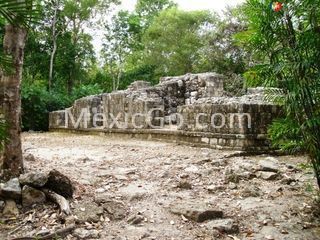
[(133, 189)]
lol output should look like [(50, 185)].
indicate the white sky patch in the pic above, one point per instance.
[(190, 5), (187, 5)]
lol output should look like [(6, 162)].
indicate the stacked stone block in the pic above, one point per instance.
[(188, 101)]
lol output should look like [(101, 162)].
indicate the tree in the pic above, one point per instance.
[(78, 14), (56, 5), (147, 10), (173, 40), (287, 42), (123, 39), (220, 52), (119, 44), (18, 14)]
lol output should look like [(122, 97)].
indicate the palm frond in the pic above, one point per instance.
[(275, 95), (21, 13)]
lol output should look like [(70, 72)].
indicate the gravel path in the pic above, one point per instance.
[(132, 189)]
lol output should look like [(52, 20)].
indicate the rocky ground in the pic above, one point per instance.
[(130, 189)]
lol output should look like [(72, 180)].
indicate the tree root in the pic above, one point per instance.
[(61, 201)]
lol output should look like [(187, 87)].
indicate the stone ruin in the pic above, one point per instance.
[(191, 109)]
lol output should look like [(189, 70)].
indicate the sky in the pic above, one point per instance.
[(188, 5), (217, 5)]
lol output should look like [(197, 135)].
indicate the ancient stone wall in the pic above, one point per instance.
[(193, 108)]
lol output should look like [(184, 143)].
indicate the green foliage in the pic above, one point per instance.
[(221, 51), (234, 84), (35, 52), (86, 90), (21, 13), (147, 10), (37, 102), (286, 45), (122, 51), (74, 56), (172, 41), (286, 134), (101, 78), (156, 39), (151, 8), (305, 166), (120, 40), (141, 72), (254, 77)]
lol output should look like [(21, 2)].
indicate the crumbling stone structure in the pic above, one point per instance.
[(193, 109)]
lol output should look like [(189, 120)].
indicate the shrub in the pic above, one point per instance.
[(86, 90), (286, 135), (37, 102)]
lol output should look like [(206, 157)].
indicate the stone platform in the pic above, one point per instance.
[(191, 109)]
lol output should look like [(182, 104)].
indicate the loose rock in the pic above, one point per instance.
[(29, 158), (215, 188), (11, 189), (219, 162), (269, 232), (33, 179), (135, 219), (232, 177), (87, 212), (269, 176), (269, 165), (192, 169), (43, 232), (184, 184), (116, 210), (10, 208), (82, 233), (224, 226), (102, 198), (195, 212), (233, 186), (31, 196), (288, 180), (250, 191)]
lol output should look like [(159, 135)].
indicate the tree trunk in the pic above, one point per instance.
[(14, 43), (113, 83), (118, 80), (53, 53), (1, 94), (70, 82), (54, 41), (72, 75), (1, 113)]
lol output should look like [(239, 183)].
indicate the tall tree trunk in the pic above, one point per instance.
[(72, 75), (118, 80), (53, 53), (1, 112), (54, 50), (113, 83), (70, 82), (14, 43), (1, 94)]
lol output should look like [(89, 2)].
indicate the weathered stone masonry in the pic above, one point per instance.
[(190, 109)]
